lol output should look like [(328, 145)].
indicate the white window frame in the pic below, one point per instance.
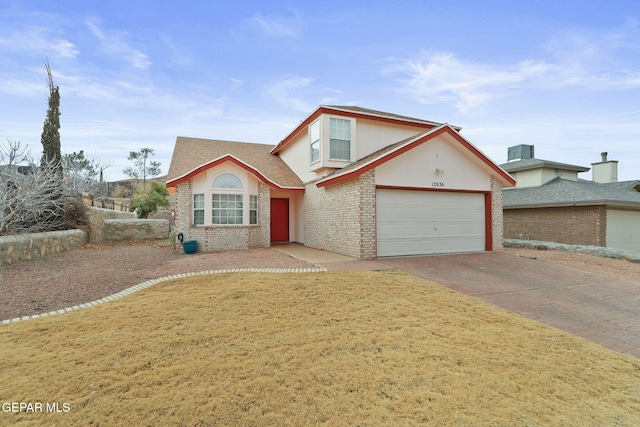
[(339, 134), (227, 204), (229, 209), (227, 181), (314, 141), (198, 207), (253, 209)]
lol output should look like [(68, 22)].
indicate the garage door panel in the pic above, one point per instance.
[(623, 229), (421, 222)]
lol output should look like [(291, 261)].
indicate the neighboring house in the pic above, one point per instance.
[(550, 203), (11, 170), (349, 180)]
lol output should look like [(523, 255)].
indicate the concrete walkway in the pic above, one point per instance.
[(602, 309), (329, 260)]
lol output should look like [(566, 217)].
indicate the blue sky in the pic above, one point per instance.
[(562, 75)]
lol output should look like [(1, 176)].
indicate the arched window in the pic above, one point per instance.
[(228, 181), (227, 208)]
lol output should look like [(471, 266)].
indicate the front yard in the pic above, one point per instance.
[(340, 348)]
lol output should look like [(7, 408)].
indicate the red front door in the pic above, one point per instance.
[(279, 220)]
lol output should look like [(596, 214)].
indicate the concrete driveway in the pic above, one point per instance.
[(602, 309)]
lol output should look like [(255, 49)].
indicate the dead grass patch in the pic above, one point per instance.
[(340, 348)]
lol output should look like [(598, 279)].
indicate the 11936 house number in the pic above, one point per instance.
[(438, 184)]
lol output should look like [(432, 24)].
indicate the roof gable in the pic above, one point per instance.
[(192, 156), (354, 112), (369, 162)]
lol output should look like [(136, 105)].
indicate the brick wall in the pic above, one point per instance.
[(497, 219), (367, 208), (184, 200), (218, 238), (341, 218), (260, 236), (577, 225)]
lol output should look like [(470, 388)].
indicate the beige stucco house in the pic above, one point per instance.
[(349, 180)]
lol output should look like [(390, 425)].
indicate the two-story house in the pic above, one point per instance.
[(349, 180)]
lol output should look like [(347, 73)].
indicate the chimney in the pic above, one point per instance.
[(606, 171)]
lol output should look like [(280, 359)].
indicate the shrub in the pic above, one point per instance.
[(148, 199)]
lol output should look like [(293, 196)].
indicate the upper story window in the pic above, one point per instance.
[(227, 181), (314, 138), (339, 139)]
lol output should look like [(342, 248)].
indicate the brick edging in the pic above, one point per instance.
[(143, 285)]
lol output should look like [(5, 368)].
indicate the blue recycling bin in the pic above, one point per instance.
[(190, 246)]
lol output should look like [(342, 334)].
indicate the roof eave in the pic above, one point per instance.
[(549, 166), (229, 157), (568, 203)]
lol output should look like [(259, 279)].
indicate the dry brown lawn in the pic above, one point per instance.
[(340, 348)]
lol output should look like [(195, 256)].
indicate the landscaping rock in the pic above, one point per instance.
[(590, 250)]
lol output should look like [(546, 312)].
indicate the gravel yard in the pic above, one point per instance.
[(96, 271)]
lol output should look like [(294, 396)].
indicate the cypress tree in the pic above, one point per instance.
[(51, 131)]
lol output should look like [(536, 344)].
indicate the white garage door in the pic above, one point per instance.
[(429, 222), (623, 230)]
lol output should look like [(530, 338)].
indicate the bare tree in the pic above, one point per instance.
[(13, 154), (144, 167), (32, 202), (36, 198)]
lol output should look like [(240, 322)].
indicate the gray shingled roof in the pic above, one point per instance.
[(564, 192), (371, 112), (525, 164)]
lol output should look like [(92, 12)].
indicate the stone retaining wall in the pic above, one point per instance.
[(31, 246), (96, 218), (590, 250), (135, 229), (110, 225)]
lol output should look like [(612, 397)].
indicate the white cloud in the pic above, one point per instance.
[(597, 60), (276, 26), (10, 85), (114, 43), (235, 83), (38, 40), (177, 54), (442, 77), (593, 61), (288, 91)]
